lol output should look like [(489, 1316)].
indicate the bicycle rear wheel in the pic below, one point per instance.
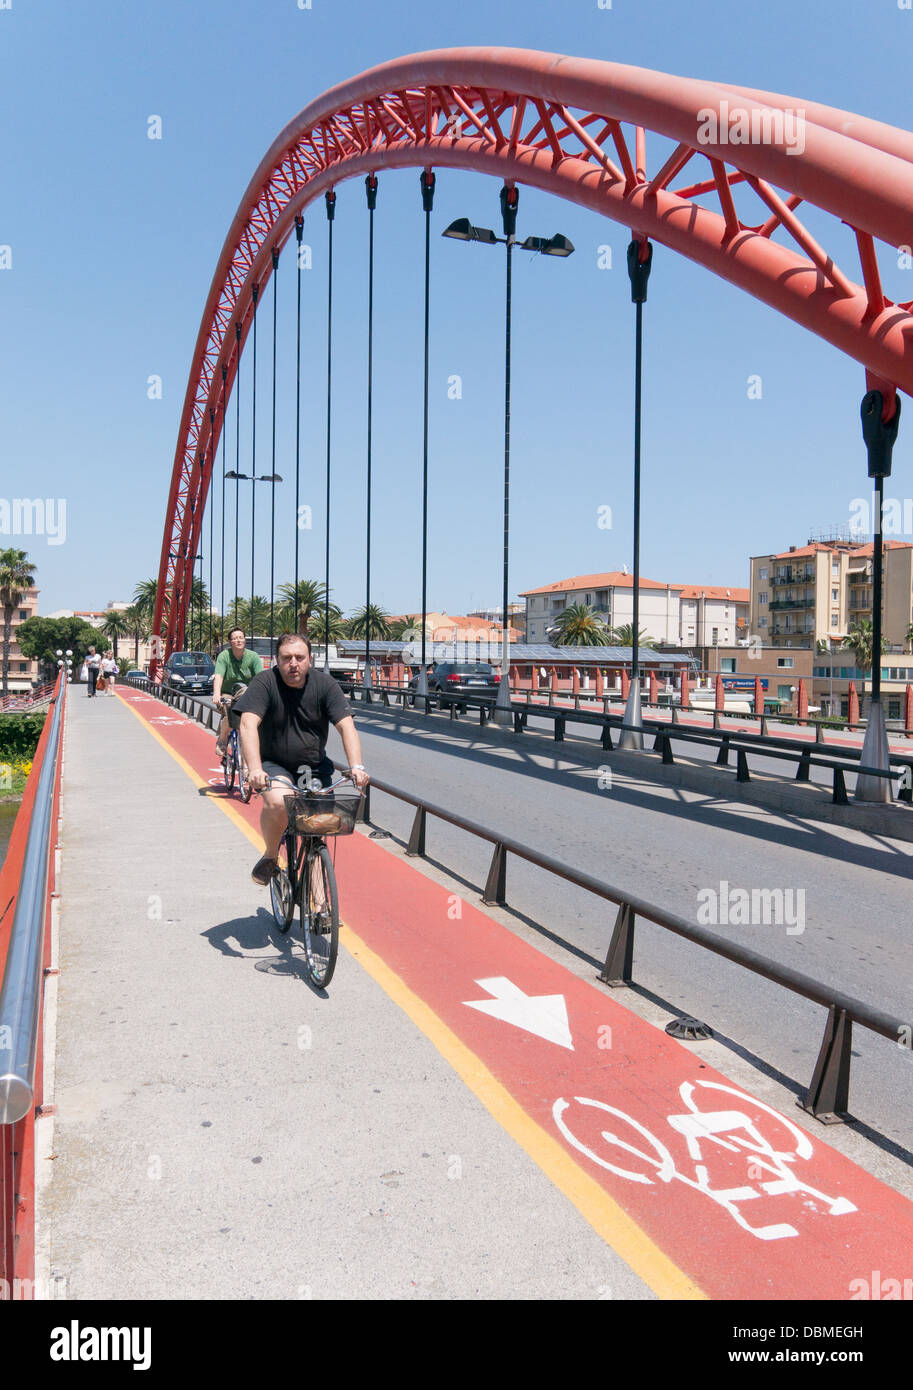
[(319, 930)]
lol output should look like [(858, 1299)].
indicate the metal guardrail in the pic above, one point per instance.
[(20, 995), (835, 758), (827, 1096)]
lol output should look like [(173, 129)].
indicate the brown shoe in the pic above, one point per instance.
[(263, 871)]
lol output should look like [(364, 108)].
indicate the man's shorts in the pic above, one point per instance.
[(300, 778)]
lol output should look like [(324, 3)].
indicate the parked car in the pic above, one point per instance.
[(189, 672), (462, 678), (133, 675)]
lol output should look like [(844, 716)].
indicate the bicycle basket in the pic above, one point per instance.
[(323, 813)]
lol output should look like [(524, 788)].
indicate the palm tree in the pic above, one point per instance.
[(144, 596), (260, 625), (116, 624), (411, 623), (317, 629), (15, 578), (861, 640), (579, 626), (296, 610), (624, 636), (373, 619), (138, 627)]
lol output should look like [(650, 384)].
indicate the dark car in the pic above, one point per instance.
[(462, 678), (189, 672)]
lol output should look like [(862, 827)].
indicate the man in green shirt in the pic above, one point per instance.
[(235, 666)]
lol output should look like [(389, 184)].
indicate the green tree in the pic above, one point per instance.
[(373, 619), (260, 612), (908, 638), (624, 636), (411, 623), (115, 625), (579, 626), (42, 638), (144, 598), (861, 641), (139, 628), (295, 612), (339, 628), (15, 578)]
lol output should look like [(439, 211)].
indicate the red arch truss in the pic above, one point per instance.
[(575, 127)]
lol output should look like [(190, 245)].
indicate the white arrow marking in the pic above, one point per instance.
[(542, 1014)]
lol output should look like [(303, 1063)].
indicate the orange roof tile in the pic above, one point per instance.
[(716, 591), (614, 579)]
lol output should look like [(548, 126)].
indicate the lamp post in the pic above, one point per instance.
[(558, 245), (252, 479)]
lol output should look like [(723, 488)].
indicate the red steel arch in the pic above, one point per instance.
[(559, 124)]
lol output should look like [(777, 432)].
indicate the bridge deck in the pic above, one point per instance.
[(225, 1131)]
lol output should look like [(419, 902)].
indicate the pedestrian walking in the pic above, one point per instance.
[(109, 667), (93, 661)]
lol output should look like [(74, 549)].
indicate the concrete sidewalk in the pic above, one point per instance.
[(223, 1130)]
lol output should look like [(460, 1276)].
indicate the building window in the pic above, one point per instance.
[(835, 566), (23, 614), (784, 661), (727, 663), (762, 622), (893, 709), (762, 573), (835, 594), (784, 692), (834, 620), (716, 636), (762, 596), (23, 666)]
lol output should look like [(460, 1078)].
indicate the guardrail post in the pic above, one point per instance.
[(764, 729), (607, 736), (722, 756), (364, 806), (742, 773), (559, 728), (802, 771), (483, 717), (496, 883), (385, 698), (416, 843), (658, 740), (454, 710), (675, 714), (519, 721), (668, 759), (819, 733), (840, 796), (619, 960), (828, 1096)]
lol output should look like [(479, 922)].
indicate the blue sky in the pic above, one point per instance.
[(115, 237)]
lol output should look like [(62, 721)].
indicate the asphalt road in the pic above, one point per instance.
[(846, 918)]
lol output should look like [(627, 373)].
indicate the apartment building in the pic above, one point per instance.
[(22, 670), (611, 595), (690, 615), (819, 591)]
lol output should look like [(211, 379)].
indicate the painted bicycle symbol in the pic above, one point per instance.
[(642, 1158)]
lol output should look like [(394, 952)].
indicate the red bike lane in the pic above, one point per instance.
[(702, 1188)]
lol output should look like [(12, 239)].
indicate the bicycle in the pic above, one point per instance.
[(232, 762), (309, 879)]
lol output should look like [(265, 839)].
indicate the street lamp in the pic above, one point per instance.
[(252, 478), (463, 230)]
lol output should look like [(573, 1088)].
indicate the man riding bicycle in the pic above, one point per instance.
[(235, 667), (285, 717)]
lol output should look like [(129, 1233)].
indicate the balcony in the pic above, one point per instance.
[(793, 576), (778, 603)]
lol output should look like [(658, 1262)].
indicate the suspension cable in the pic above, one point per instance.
[(272, 532), (331, 212), (371, 192), (299, 229)]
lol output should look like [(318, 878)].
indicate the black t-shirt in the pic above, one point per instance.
[(295, 723)]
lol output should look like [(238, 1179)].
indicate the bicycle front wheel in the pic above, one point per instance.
[(318, 904), (228, 767), (245, 790)]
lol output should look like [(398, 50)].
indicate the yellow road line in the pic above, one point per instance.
[(595, 1205), (606, 1217)]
